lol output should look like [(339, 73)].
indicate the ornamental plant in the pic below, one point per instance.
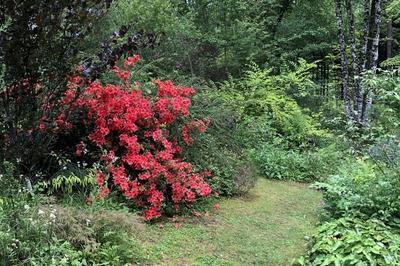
[(138, 154)]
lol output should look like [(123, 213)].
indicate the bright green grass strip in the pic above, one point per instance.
[(265, 228)]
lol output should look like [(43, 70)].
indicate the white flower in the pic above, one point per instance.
[(40, 212), (52, 216), (26, 207)]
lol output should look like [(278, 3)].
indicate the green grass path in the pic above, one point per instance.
[(267, 227)]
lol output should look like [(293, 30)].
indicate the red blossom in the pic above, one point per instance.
[(131, 61), (140, 155)]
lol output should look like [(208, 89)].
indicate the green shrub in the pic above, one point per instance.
[(261, 94), (52, 235), (220, 149), (363, 196), (349, 241), (276, 162), (33, 232)]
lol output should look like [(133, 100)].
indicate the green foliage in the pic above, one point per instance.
[(277, 163), (393, 9), (152, 16), (220, 149), (392, 62), (364, 188), (260, 93), (349, 241), (364, 192), (34, 231), (69, 183), (50, 235), (308, 36)]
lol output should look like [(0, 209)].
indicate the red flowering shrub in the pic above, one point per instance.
[(140, 157)]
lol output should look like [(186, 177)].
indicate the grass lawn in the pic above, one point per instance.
[(267, 227)]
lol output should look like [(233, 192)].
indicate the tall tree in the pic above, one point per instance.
[(343, 59), (357, 109)]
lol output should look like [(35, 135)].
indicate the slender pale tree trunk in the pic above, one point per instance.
[(364, 46), (357, 99), (374, 56), (375, 41), (344, 67), (364, 53)]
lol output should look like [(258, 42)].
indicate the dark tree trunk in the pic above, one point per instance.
[(343, 59), (281, 12), (371, 28), (389, 44)]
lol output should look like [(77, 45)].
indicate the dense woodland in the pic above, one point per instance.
[(200, 132)]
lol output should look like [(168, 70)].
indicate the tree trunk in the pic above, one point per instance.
[(364, 47), (389, 44), (344, 67), (364, 52), (357, 99), (374, 57), (375, 41)]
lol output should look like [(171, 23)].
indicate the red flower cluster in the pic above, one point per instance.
[(140, 156)]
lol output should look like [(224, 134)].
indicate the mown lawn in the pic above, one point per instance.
[(267, 227)]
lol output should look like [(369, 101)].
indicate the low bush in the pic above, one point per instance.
[(33, 232), (233, 173), (276, 162), (364, 196), (57, 236), (261, 96), (221, 148), (350, 241)]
